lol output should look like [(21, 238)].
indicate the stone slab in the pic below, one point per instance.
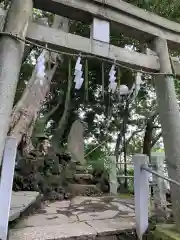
[(20, 202), (79, 200), (81, 218), (81, 189), (38, 220), (112, 226), (55, 207), (107, 237), (87, 216), (166, 232), (122, 207), (14, 214), (57, 232)]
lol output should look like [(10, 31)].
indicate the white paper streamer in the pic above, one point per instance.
[(78, 74), (112, 78), (79, 83), (40, 69)]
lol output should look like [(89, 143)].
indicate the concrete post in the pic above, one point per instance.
[(11, 53), (159, 194), (141, 193), (168, 109), (113, 175), (6, 184), (2, 18)]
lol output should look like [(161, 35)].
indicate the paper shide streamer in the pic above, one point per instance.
[(78, 74), (112, 79), (40, 69)]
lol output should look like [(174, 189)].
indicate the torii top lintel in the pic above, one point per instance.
[(124, 17)]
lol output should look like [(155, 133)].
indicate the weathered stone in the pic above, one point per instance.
[(54, 207), (83, 169), (87, 216), (84, 176), (20, 201), (112, 226), (83, 189), (64, 204), (76, 142), (64, 231), (80, 208), (96, 215), (50, 209), (14, 214), (44, 220), (113, 237), (122, 207), (80, 199)]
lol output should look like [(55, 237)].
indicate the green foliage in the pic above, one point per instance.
[(130, 181), (102, 113), (97, 158), (164, 8)]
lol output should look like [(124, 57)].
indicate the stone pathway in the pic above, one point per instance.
[(20, 202), (80, 218)]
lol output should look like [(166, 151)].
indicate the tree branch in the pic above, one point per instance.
[(154, 141)]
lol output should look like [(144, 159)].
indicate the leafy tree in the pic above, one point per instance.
[(102, 112)]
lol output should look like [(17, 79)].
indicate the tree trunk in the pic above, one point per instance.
[(155, 139), (11, 53), (170, 122), (63, 121), (147, 143), (120, 135), (26, 111)]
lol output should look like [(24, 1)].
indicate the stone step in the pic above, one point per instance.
[(84, 176), (83, 189), (97, 230), (83, 169), (21, 202)]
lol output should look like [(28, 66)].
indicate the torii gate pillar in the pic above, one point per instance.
[(11, 52), (170, 121)]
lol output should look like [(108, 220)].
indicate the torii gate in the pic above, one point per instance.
[(142, 25), (123, 17)]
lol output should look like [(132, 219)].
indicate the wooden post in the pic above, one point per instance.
[(11, 53), (113, 175), (159, 194), (141, 193), (168, 109)]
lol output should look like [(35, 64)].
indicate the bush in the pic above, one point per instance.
[(130, 181), (45, 174)]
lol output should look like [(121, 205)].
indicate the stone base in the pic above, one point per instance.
[(166, 232), (83, 189), (23, 202), (82, 218), (113, 237)]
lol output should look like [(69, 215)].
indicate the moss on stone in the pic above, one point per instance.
[(125, 196), (166, 232)]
